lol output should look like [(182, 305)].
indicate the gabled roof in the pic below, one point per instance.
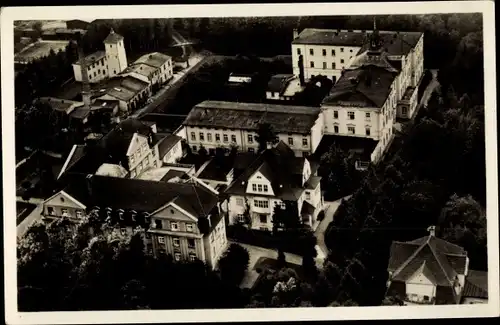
[(155, 59), (279, 82), (379, 59), (92, 58), (140, 195), (279, 165), (167, 143), (366, 86), (443, 259), (113, 37), (76, 153), (476, 285)]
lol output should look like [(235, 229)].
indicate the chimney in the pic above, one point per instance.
[(432, 231), (295, 33), (301, 70), (85, 77)]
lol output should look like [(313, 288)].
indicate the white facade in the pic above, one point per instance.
[(116, 56), (96, 71), (325, 60), (420, 289), (140, 156), (174, 154)]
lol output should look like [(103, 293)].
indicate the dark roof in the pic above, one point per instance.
[(91, 58), (307, 208), (80, 112), (279, 165), (125, 88), (439, 257), (215, 171), (155, 60), (476, 285), (395, 42), (164, 122), (375, 58), (140, 195), (172, 174), (113, 37), (57, 104), (279, 82), (248, 116), (167, 143), (367, 86), (104, 104)]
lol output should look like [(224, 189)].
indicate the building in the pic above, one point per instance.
[(213, 124), (73, 109), (181, 219), (170, 149), (104, 64), (274, 177), (283, 87), (131, 145), (430, 270), (153, 68), (476, 288), (130, 92)]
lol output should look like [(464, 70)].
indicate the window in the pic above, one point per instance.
[(64, 212), (324, 65), (195, 148), (209, 137), (311, 51), (333, 52), (174, 226), (217, 137), (334, 66), (225, 137), (177, 256), (189, 227), (176, 242), (351, 129), (426, 298), (261, 204), (290, 141), (404, 110), (350, 115), (254, 187), (202, 136), (367, 116), (308, 195), (161, 240), (263, 218), (191, 243), (250, 138), (241, 218), (336, 128), (298, 52), (324, 52), (367, 130), (158, 224), (341, 49), (312, 64), (193, 136), (335, 114), (266, 188), (341, 60), (233, 138), (99, 71), (192, 257), (50, 211), (304, 142), (259, 187), (239, 201)]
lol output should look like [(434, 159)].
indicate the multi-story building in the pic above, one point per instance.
[(274, 177), (153, 68), (104, 64), (430, 270), (128, 91), (213, 124), (182, 219)]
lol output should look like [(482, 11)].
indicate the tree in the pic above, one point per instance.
[(265, 136), (281, 259), (233, 264)]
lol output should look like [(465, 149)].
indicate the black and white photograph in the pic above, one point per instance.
[(277, 163)]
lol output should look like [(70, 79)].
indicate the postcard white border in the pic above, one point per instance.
[(9, 15)]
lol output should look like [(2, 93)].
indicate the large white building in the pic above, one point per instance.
[(104, 64), (153, 68), (213, 124)]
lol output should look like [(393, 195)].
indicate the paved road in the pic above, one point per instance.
[(162, 95)]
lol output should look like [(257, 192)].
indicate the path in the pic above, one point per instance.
[(323, 225), (162, 95)]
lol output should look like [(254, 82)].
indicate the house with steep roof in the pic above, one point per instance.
[(213, 124), (153, 68), (276, 177), (283, 87), (182, 220), (430, 270)]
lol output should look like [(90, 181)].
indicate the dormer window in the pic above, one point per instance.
[(174, 226)]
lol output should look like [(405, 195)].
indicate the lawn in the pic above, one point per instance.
[(40, 49)]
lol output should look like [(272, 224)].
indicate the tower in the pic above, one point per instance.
[(85, 78), (115, 53)]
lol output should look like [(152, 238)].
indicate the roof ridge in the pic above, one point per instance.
[(437, 259), (408, 260)]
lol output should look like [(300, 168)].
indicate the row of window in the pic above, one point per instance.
[(325, 65), (351, 115), (64, 212), (261, 203), (174, 226), (177, 255), (260, 188), (177, 242), (96, 64), (352, 130), (323, 51)]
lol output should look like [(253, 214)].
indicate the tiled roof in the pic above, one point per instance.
[(125, 88), (167, 143), (278, 165), (61, 105), (80, 112), (248, 116), (395, 42), (113, 37), (214, 171), (155, 60), (92, 58), (307, 208), (443, 259), (374, 58), (172, 174), (476, 285), (140, 195), (367, 86), (279, 82)]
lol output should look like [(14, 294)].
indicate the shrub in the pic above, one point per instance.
[(233, 264)]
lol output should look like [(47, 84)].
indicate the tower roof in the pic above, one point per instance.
[(113, 37)]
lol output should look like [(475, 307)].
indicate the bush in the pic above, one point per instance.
[(233, 264)]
